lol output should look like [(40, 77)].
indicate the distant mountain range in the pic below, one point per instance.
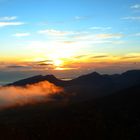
[(125, 79), (88, 86), (114, 117)]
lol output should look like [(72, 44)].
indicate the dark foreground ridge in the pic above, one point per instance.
[(111, 117)]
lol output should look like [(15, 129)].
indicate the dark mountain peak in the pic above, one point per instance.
[(50, 77), (35, 79), (132, 72), (94, 74), (88, 78)]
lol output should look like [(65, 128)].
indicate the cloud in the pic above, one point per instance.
[(100, 28), (80, 56), (53, 32), (98, 38), (81, 17), (45, 63), (21, 34), (28, 66), (136, 6), (132, 18), (91, 56), (18, 66), (136, 34), (100, 56), (64, 68), (31, 94), (9, 21), (8, 18), (69, 42), (15, 66), (107, 36), (73, 19), (131, 56), (4, 24)]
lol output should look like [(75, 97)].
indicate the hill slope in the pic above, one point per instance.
[(112, 117)]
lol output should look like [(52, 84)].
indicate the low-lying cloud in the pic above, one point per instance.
[(30, 94)]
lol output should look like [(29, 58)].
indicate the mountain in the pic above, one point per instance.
[(88, 86), (36, 79), (127, 79), (94, 78), (114, 117)]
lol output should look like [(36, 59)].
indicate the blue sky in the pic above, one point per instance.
[(39, 30)]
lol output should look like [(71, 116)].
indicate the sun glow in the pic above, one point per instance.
[(58, 63)]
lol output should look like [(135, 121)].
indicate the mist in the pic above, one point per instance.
[(30, 94)]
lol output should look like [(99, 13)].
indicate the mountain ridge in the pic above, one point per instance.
[(87, 77), (92, 85)]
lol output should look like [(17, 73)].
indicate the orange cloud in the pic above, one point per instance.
[(39, 92)]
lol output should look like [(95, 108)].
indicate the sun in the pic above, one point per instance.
[(58, 63)]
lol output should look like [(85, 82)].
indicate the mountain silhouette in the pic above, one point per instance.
[(129, 77), (36, 79), (114, 117), (88, 86)]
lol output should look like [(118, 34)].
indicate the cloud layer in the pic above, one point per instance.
[(21, 34), (9, 21), (31, 94), (136, 6)]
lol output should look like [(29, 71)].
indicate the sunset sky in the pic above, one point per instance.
[(68, 37)]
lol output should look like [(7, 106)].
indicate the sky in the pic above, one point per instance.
[(68, 38)]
